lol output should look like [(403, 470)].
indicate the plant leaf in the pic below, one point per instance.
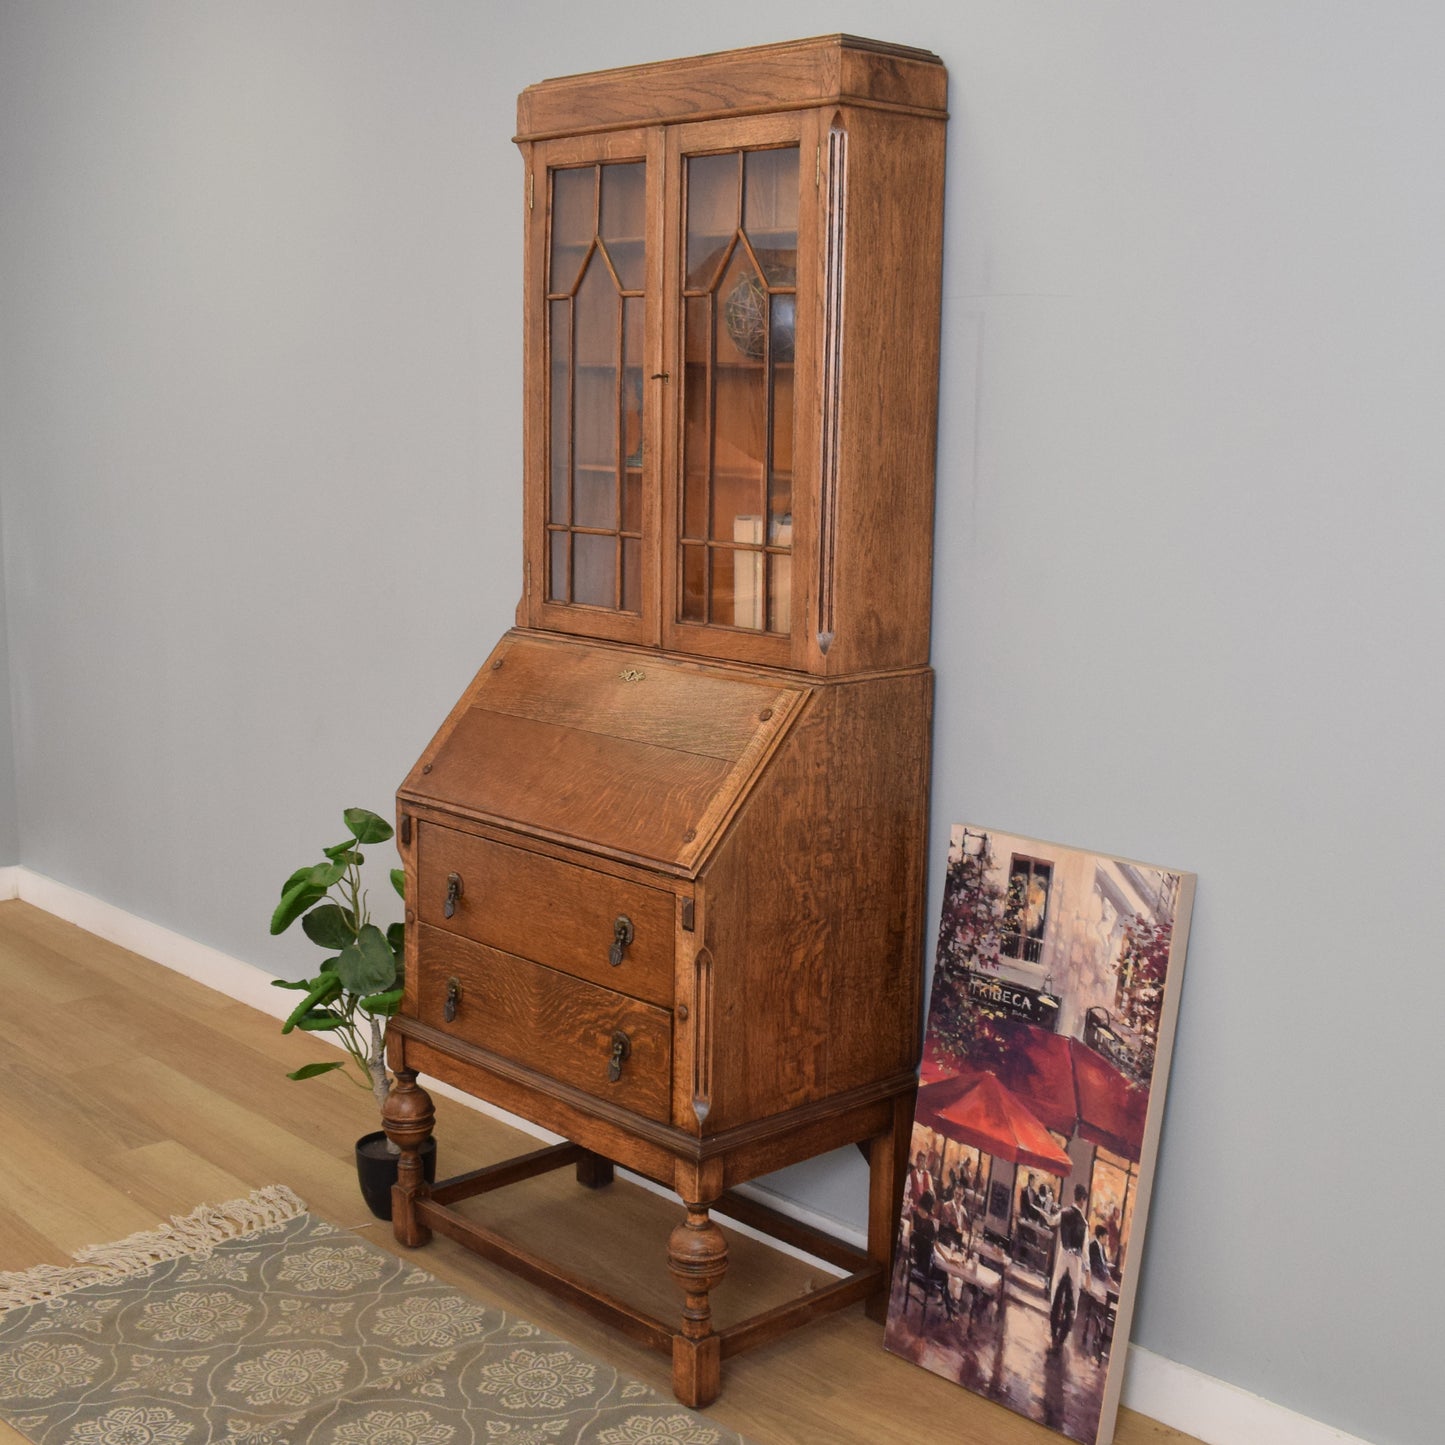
[(367, 827), (323, 875), (330, 926), (326, 988), (383, 1005), (368, 965), (294, 902), (337, 851), (290, 983), (396, 938), (398, 881), (310, 1071), (296, 878), (315, 1023)]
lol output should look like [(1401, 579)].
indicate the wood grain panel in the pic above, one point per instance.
[(887, 393), (633, 798), (796, 74), (549, 911), (549, 1020), (641, 698), (811, 907)]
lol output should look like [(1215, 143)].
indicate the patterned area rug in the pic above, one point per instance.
[(253, 1323)]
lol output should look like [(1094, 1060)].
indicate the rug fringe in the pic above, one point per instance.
[(196, 1233)]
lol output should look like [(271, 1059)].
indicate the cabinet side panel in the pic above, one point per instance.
[(876, 952), (764, 918), (812, 907), (887, 396)]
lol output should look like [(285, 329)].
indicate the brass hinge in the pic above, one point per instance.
[(405, 829), (531, 178), (687, 915), (818, 168)]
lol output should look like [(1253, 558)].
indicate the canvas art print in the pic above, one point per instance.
[(1055, 994)]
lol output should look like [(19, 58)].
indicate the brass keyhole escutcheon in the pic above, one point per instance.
[(454, 994), (454, 891), (622, 933), (621, 1047)]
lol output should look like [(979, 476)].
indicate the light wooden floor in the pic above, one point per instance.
[(129, 1093)]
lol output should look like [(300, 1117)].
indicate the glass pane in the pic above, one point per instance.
[(632, 388), (783, 312), (561, 383), (697, 412), (694, 584), (780, 592), (598, 317), (622, 221), (596, 401), (782, 430), (632, 501), (731, 607), (557, 590), (594, 570), (595, 493), (712, 214), (596, 406), (740, 404), (631, 575), (770, 202), (574, 223)]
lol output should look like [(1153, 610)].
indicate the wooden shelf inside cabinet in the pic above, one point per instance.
[(665, 857)]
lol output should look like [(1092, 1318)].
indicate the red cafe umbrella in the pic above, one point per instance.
[(1072, 1089), (983, 1112)]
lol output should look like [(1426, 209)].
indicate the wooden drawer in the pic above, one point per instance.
[(548, 1021), (549, 911)]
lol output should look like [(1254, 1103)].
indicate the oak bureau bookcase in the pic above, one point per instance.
[(665, 858)]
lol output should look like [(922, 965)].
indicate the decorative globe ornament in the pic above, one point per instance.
[(745, 314)]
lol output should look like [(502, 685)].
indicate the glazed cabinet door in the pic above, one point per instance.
[(676, 280), (593, 327), (742, 317)]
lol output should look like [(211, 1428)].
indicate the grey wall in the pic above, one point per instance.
[(9, 824), (260, 453)]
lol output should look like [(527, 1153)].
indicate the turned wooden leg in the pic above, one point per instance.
[(697, 1256), (594, 1171), (408, 1117), (887, 1165)]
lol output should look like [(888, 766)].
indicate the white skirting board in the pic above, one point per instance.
[(1214, 1411)]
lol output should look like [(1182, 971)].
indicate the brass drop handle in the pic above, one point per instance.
[(454, 891), (622, 934), (621, 1047), (454, 995)]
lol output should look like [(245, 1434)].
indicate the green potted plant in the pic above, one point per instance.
[(357, 988)]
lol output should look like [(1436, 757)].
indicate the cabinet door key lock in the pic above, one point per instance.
[(621, 936), (621, 1047)]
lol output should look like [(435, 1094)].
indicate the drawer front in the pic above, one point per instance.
[(549, 911), (549, 1021)]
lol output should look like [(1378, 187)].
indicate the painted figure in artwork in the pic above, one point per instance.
[(1071, 1230)]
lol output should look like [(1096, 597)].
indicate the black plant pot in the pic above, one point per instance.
[(376, 1168)]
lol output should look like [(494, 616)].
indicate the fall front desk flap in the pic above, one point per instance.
[(613, 749)]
